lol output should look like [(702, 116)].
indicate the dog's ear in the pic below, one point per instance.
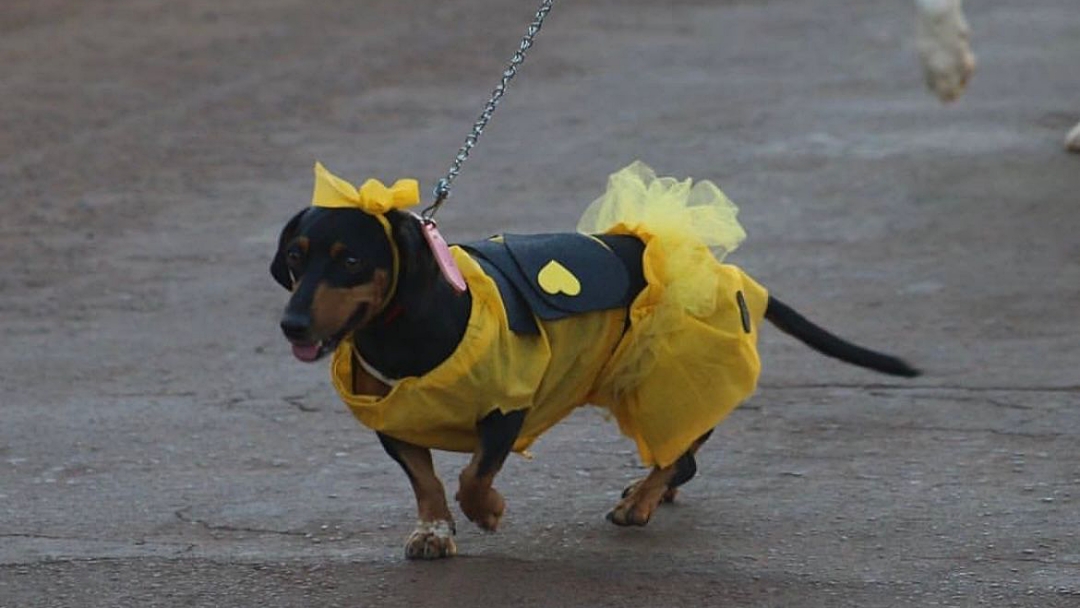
[(279, 269), (410, 242)]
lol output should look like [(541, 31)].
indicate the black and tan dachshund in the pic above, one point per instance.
[(339, 266)]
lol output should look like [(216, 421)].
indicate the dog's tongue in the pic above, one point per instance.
[(306, 352)]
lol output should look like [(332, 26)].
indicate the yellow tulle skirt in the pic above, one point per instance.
[(690, 355)]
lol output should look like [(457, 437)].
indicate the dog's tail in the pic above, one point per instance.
[(794, 324)]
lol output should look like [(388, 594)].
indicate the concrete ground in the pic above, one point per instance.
[(159, 445)]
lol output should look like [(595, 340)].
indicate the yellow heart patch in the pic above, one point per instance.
[(554, 278)]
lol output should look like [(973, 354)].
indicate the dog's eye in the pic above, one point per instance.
[(353, 264), (293, 257)]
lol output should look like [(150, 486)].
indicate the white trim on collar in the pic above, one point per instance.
[(374, 373)]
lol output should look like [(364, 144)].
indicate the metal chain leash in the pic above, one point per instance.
[(442, 187)]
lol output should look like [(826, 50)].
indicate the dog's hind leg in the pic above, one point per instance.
[(641, 498), (480, 502), (434, 534), (685, 469)]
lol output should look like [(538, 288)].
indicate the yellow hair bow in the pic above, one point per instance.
[(373, 197)]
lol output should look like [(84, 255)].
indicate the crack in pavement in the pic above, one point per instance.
[(947, 429), (91, 539), (53, 537), (298, 402), (923, 387), (944, 429), (73, 543), (985, 559), (184, 517)]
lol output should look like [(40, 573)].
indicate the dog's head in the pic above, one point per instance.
[(342, 267)]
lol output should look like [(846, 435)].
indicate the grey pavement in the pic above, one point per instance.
[(159, 446)]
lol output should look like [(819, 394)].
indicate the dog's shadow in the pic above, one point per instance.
[(589, 563), (627, 570)]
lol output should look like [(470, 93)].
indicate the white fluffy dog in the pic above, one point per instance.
[(941, 36)]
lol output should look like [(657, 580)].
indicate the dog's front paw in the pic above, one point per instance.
[(431, 540), (483, 506)]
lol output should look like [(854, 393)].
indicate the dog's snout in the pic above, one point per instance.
[(295, 325)]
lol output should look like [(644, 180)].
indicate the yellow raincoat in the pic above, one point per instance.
[(688, 358)]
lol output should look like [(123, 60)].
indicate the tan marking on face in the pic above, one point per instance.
[(304, 244), (332, 307), (337, 249)]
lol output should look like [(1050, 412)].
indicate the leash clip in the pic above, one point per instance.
[(441, 193), (441, 251)]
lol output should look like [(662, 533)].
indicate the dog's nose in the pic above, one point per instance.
[(295, 325)]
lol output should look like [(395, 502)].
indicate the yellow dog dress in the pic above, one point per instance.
[(668, 368)]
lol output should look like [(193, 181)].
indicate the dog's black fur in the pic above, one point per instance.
[(325, 254), (428, 318)]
